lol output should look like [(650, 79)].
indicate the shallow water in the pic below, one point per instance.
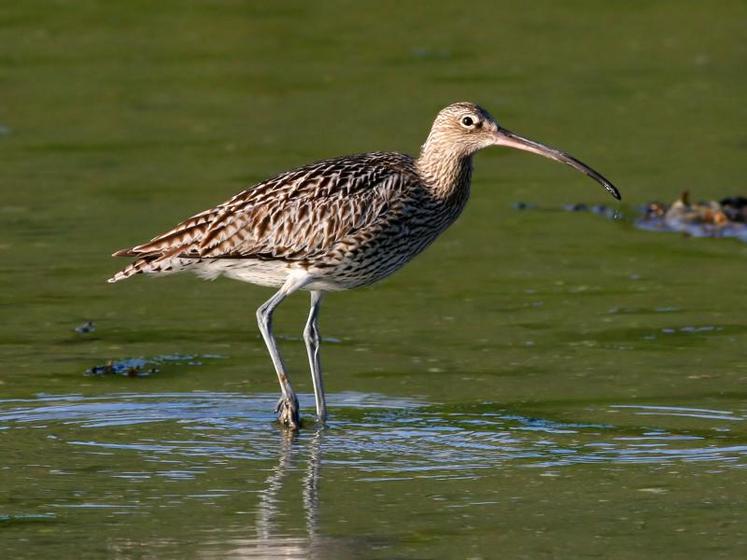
[(543, 384), (212, 464)]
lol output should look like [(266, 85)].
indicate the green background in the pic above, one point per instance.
[(536, 385)]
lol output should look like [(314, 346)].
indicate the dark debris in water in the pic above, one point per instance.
[(85, 328), (598, 209), (130, 367), (724, 218), (144, 367), (523, 205)]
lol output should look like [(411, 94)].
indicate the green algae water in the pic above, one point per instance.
[(535, 385)]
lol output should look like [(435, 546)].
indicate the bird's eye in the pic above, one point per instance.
[(468, 121)]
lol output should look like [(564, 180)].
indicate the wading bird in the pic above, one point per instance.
[(335, 225)]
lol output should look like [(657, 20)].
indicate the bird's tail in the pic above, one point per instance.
[(140, 266), (162, 264)]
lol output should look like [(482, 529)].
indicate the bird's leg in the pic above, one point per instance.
[(287, 408), (312, 339)]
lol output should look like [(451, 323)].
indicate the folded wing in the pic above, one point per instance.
[(295, 216)]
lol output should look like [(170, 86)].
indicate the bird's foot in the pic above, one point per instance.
[(288, 414), (321, 418)]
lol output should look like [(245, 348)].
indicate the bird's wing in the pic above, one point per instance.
[(293, 216)]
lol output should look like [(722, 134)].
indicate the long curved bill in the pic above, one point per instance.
[(504, 137)]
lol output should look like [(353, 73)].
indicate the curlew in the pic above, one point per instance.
[(335, 225)]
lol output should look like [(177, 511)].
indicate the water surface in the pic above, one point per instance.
[(543, 384)]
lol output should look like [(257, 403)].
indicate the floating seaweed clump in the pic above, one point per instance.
[(724, 218), (143, 367)]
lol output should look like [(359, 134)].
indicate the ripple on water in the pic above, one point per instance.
[(381, 437)]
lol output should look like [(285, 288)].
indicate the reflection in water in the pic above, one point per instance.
[(268, 498), (311, 486), (271, 541)]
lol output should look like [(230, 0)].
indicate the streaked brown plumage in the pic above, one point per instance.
[(327, 217), (335, 224)]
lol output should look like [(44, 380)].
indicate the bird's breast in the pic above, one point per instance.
[(394, 240)]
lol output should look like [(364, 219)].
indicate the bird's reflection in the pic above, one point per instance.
[(272, 537), (311, 486)]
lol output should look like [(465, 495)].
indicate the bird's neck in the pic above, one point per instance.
[(447, 173)]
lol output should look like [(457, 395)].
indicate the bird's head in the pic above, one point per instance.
[(464, 128)]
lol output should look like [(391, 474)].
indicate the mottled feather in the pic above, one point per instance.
[(296, 217)]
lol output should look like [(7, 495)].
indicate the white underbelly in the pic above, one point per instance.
[(271, 274)]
